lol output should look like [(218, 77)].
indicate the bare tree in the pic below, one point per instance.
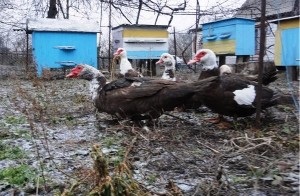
[(183, 45), (52, 9)]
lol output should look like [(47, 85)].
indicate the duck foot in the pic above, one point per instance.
[(220, 122)]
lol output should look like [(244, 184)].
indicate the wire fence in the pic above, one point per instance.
[(14, 64), (21, 64)]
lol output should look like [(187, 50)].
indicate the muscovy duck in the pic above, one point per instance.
[(134, 97), (235, 96), (208, 60), (168, 62), (126, 69)]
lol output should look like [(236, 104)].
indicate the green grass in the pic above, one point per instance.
[(15, 120), (151, 179), (110, 141), (8, 152), (17, 175)]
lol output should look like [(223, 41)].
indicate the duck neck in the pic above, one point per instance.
[(125, 65), (96, 84), (210, 64), (169, 73)]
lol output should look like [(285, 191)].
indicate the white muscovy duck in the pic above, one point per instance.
[(207, 59), (126, 69), (168, 62), (134, 97)]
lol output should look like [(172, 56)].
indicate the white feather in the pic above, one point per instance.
[(136, 84), (94, 85), (125, 65), (245, 96), (166, 76)]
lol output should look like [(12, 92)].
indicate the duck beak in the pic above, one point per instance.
[(116, 53), (159, 62), (70, 75), (73, 73), (192, 61)]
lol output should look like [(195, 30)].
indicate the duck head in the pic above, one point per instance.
[(87, 72), (121, 52), (206, 58), (125, 65), (225, 70), (168, 62)]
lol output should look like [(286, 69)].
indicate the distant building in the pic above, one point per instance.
[(275, 10)]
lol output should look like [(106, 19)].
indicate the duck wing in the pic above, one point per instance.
[(233, 95), (129, 97)]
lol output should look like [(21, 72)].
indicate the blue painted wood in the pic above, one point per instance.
[(239, 30), (145, 54), (245, 39), (290, 52), (59, 49)]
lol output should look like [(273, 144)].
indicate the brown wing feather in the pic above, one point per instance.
[(147, 96)]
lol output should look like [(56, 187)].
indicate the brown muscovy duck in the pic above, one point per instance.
[(168, 61), (234, 95), (147, 98), (133, 97), (126, 69), (208, 60)]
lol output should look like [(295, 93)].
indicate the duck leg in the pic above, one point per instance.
[(221, 122)]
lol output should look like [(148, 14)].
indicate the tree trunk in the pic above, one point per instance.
[(52, 9), (139, 11)]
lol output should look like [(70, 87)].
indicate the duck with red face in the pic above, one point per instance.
[(134, 98), (208, 61)]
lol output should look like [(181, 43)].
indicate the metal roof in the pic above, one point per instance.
[(274, 9), (145, 26), (50, 24)]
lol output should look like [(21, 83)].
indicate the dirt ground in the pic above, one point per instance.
[(55, 125)]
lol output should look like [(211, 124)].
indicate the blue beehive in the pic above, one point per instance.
[(233, 36), (287, 40), (60, 43)]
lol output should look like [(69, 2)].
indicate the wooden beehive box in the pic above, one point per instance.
[(60, 43), (287, 49), (234, 36), (141, 41)]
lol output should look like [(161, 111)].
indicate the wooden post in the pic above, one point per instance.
[(222, 60), (261, 60), (175, 47), (109, 38)]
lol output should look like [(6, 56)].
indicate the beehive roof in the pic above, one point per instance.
[(49, 24)]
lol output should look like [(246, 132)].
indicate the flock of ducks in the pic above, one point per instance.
[(135, 97)]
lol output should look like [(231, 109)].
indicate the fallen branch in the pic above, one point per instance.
[(243, 150), (179, 118), (210, 148)]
